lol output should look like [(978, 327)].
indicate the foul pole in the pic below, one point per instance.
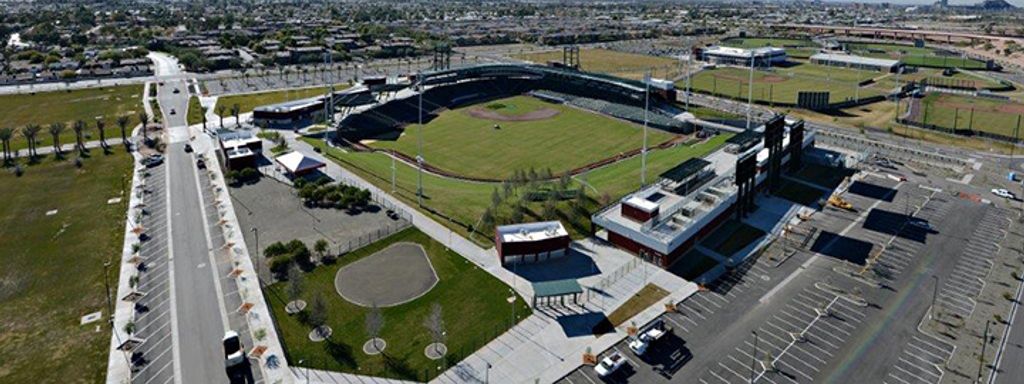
[(419, 138), (750, 88)]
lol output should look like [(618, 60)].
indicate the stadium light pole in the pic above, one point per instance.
[(750, 89), (643, 151), (688, 58), (419, 138)]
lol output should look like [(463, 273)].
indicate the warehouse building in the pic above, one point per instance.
[(857, 62)]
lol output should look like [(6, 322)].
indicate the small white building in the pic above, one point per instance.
[(762, 57)]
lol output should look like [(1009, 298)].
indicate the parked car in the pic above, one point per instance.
[(610, 364), (235, 360), (920, 224), (201, 164), (176, 90), (173, 112), (188, 148), (153, 161), (1002, 192)]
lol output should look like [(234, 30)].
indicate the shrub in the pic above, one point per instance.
[(275, 249), (280, 265)]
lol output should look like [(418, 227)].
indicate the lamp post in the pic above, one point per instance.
[(256, 233), (419, 139), (302, 363), (981, 358), (487, 374), (935, 292)]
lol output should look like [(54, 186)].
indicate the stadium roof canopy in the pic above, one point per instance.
[(742, 52), (686, 169), (745, 139), (855, 60), (290, 106)]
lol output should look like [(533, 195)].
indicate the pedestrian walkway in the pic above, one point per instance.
[(65, 148)]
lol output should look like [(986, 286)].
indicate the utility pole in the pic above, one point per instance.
[(984, 343), (643, 151), (935, 292)]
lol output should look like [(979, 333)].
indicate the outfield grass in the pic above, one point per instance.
[(914, 56), (801, 48), (474, 305), (622, 64), (465, 201), (246, 102), (954, 112), (53, 270), (782, 85), (44, 108), (470, 146)]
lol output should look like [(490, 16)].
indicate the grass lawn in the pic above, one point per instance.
[(53, 266), (622, 64), (44, 108), (799, 193), (954, 111), (195, 111), (794, 47), (782, 85), (470, 146), (914, 56), (474, 304), (692, 265), (645, 297), (465, 202), (246, 102)]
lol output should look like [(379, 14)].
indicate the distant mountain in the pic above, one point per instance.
[(993, 5)]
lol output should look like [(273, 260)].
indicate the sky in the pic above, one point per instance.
[(1018, 3)]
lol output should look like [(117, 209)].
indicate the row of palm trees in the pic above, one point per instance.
[(32, 132)]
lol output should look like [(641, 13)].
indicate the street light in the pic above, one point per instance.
[(106, 284), (935, 292)]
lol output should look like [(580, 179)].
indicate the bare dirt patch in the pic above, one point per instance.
[(767, 79), (487, 114)]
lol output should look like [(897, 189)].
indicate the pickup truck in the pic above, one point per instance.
[(641, 342)]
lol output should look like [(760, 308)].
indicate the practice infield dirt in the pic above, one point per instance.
[(487, 114), (394, 275)]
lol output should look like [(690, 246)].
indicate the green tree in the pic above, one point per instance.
[(220, 113), (31, 132), (294, 283), (321, 247), (144, 120), (101, 127), (318, 314), (5, 138), (235, 109), (56, 129)]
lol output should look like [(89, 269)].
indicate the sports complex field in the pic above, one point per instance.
[(628, 65), (782, 84), (494, 139), (954, 112), (915, 56), (56, 231), (799, 48), (45, 108)]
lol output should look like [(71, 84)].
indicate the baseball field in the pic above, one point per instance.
[(494, 139), (975, 113), (622, 64), (782, 84), (915, 56)]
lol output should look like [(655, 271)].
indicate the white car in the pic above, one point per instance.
[(234, 354), (610, 364), (1001, 192)]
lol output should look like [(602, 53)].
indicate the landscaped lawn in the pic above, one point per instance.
[(645, 297), (465, 202), (246, 102), (195, 111), (44, 108), (53, 270), (782, 85), (622, 64), (473, 302), (471, 146), (955, 111)]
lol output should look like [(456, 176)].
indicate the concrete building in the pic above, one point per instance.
[(531, 242), (762, 57), (664, 220), (856, 62)]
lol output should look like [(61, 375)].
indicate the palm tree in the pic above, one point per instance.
[(55, 130), (220, 113), (122, 122), (144, 119), (102, 129), (5, 137), (204, 120), (234, 111), (79, 127), (30, 132)]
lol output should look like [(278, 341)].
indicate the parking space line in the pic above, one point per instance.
[(912, 365), (898, 378)]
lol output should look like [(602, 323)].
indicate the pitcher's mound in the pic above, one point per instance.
[(394, 275)]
